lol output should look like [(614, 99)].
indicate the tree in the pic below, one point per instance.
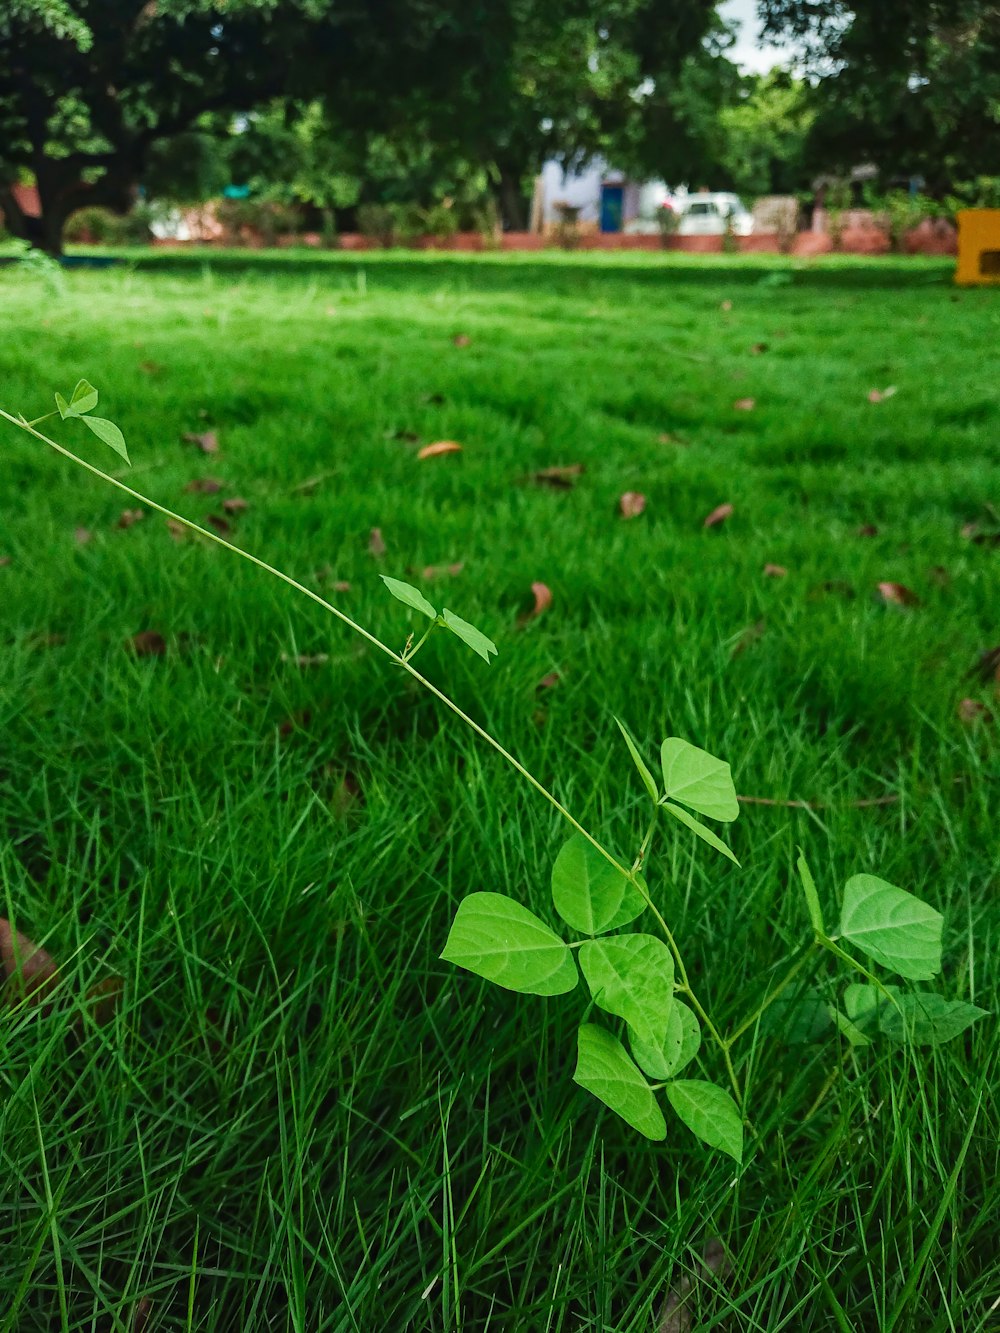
[(914, 88)]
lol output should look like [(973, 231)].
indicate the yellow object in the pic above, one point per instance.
[(978, 246)]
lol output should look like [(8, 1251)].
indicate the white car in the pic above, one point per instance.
[(709, 214)]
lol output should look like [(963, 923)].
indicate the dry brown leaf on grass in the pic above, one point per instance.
[(987, 666), (461, 340), (376, 544), (203, 486), (4, 561), (726, 305), (758, 349), (207, 441), (236, 505), (30, 973), (548, 681), (775, 571), (177, 530), (543, 600), (897, 594), (148, 643), (150, 367), (82, 536), (718, 515), (219, 524), (129, 517), (632, 504), (562, 478), (675, 1317), (744, 404), (971, 711), (880, 395), (442, 571), (747, 637), (868, 530), (438, 448), (665, 437)]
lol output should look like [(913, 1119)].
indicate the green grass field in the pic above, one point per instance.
[(298, 1118)]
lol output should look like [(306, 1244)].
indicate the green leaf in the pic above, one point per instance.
[(64, 408), (674, 1049), (603, 1067), (589, 893), (647, 778), (709, 1112), (631, 976), (850, 1030), (811, 896), (921, 1017), (409, 596), (892, 927), (84, 398), (696, 826), (109, 433), (497, 938), (475, 638), (698, 779), (797, 1018)]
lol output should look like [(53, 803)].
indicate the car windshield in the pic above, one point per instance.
[(702, 210)]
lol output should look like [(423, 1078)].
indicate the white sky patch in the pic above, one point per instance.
[(750, 53)]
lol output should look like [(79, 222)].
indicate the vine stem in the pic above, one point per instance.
[(403, 660)]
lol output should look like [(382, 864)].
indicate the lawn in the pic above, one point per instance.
[(296, 1116)]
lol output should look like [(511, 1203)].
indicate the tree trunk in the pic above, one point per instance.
[(513, 212)]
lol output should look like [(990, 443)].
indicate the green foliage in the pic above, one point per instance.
[(671, 1049), (83, 400), (603, 1067), (709, 1112), (698, 779), (923, 1018), (892, 927), (498, 939), (590, 893), (632, 977), (409, 596)]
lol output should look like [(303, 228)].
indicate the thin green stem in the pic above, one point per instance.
[(644, 845), (38, 419), (410, 652), (403, 660)]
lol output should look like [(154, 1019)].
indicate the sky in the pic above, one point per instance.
[(748, 52)]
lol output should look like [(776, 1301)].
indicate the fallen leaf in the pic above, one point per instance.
[(757, 349), (440, 571), (745, 404), (82, 536), (665, 437), (632, 504), (103, 999), (558, 478), (148, 643), (987, 666), (969, 530), (438, 448), (548, 681), (207, 441), (461, 340), (150, 367), (746, 637), (675, 1317), (775, 571), (880, 395), (410, 436), (376, 544), (718, 515), (897, 594), (340, 585), (177, 530), (306, 659), (543, 600), (971, 711), (236, 505), (129, 517), (219, 523), (868, 530), (29, 972), (203, 486), (726, 305), (4, 561)]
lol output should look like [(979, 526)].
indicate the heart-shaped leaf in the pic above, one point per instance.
[(921, 1017), (603, 1067), (590, 894), (696, 826), (709, 1112), (475, 638), (673, 1049), (892, 927), (109, 433), (496, 938), (409, 596), (84, 398), (696, 778), (632, 977)]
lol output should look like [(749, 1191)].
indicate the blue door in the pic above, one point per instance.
[(612, 207)]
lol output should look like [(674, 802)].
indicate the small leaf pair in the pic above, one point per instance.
[(695, 778), (414, 598), (83, 401)]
